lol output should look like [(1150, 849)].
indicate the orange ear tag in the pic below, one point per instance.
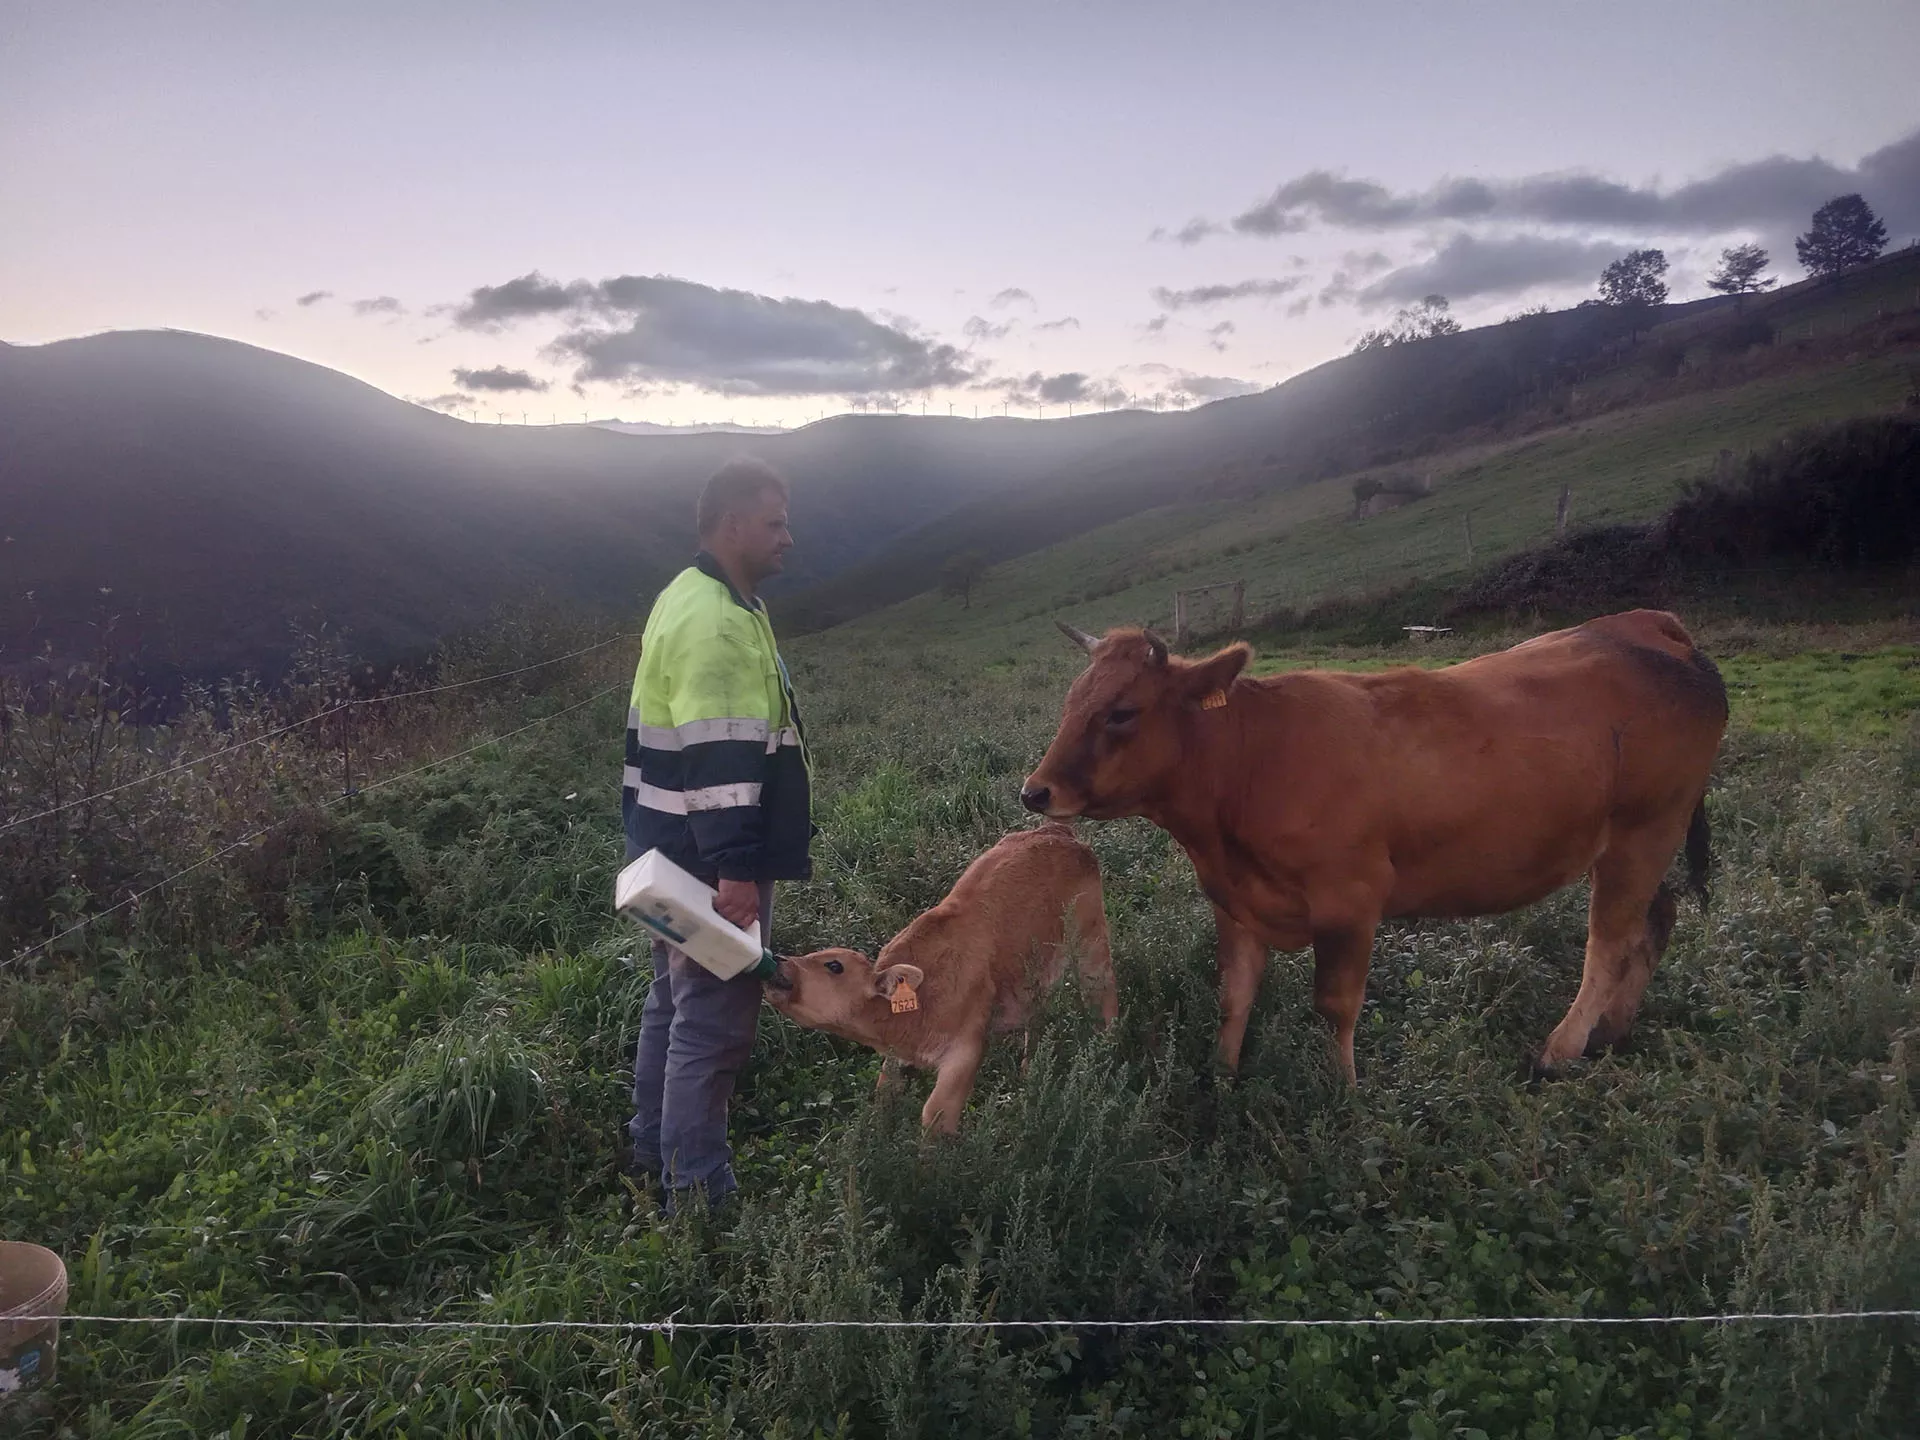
[(1216, 701), (903, 999)]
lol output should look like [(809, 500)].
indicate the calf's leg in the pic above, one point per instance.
[(1096, 955), (957, 1070)]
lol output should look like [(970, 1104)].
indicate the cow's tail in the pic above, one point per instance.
[(1699, 853)]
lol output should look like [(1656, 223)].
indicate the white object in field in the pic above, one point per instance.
[(679, 909)]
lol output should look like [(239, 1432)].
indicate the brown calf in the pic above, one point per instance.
[(972, 965), (1315, 804)]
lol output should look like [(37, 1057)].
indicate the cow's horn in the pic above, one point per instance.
[(1079, 637), (1156, 648)]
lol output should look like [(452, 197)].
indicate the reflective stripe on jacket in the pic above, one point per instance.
[(717, 769)]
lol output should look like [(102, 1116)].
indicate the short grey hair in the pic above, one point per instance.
[(733, 487)]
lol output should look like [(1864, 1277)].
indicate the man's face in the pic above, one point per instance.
[(758, 536)]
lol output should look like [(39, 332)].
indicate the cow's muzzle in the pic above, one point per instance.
[(1036, 798), (782, 977)]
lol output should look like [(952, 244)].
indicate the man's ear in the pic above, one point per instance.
[(1215, 675), (886, 981)]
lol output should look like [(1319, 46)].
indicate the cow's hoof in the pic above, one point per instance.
[(1609, 1042)]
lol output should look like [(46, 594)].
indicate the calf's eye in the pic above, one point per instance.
[(1122, 715), (834, 967)]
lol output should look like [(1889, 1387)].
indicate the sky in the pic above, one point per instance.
[(765, 213)]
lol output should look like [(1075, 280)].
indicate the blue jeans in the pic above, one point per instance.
[(695, 1034)]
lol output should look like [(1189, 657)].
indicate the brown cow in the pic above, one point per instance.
[(970, 963), (1315, 804)]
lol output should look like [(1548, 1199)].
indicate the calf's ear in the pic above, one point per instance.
[(886, 981), (1215, 675)]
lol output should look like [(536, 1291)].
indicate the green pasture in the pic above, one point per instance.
[(400, 1101)]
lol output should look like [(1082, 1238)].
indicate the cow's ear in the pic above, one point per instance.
[(1214, 676), (886, 981)]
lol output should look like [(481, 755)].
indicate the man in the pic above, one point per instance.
[(717, 780)]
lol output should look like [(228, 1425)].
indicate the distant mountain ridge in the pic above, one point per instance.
[(226, 492)]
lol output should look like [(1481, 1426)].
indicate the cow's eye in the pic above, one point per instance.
[(1122, 716), (834, 967)]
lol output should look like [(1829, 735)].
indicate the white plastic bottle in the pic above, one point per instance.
[(679, 909)]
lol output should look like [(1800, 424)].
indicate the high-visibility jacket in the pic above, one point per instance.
[(717, 768)]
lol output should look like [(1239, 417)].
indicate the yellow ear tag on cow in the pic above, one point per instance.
[(1216, 701), (903, 999)]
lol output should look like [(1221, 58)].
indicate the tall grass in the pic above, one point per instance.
[(180, 778)]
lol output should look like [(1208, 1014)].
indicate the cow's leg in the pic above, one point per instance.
[(1616, 1021), (1340, 961), (1242, 960), (1096, 954), (1626, 927), (958, 1067)]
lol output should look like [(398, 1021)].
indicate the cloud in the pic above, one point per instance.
[(498, 379), (379, 305), (656, 330), (1069, 387), (313, 297), (1012, 295), (1155, 326), (978, 328), (453, 400), (1216, 294), (1468, 265), (1216, 335), (263, 313), (733, 342), (1772, 195), (1216, 387), (1065, 322), (1170, 388), (1191, 233), (530, 295)]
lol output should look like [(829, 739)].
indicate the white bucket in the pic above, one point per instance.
[(33, 1281)]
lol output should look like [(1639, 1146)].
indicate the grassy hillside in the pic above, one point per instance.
[(1261, 493), (1302, 545), (399, 1099)]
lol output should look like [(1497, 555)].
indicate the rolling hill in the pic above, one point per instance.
[(223, 493), (1622, 440), (1414, 411)]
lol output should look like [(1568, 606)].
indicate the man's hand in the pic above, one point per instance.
[(739, 901)]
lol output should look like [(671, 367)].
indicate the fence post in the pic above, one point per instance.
[(1561, 512), (1239, 606), (1180, 619), (1466, 523)]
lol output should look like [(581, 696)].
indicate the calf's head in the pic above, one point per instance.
[(1121, 735), (839, 991)]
